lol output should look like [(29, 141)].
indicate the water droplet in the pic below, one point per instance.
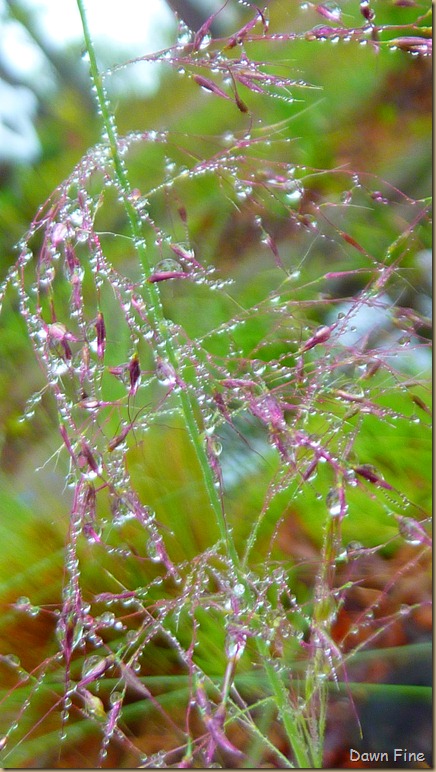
[(350, 477), (294, 196), (12, 660), (412, 531), (93, 667), (214, 446), (168, 264), (46, 275), (259, 368), (333, 501), (354, 546), (165, 372), (115, 698), (22, 603), (352, 389), (107, 618), (153, 552)]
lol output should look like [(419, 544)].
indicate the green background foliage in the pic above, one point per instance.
[(367, 112)]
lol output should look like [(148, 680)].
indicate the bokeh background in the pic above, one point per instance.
[(370, 112)]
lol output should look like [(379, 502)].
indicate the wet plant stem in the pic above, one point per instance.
[(298, 737), (151, 291)]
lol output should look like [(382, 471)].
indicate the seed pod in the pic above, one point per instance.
[(101, 335), (134, 374)]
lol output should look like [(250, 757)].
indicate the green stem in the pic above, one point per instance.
[(152, 295), (151, 290), (289, 717), (319, 668)]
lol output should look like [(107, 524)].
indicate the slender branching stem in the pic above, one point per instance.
[(151, 290), (279, 691)]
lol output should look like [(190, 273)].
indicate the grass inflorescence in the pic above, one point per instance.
[(233, 427)]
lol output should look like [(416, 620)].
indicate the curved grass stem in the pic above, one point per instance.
[(299, 742), (151, 290)]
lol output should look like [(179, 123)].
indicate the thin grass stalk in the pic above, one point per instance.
[(151, 290), (300, 740)]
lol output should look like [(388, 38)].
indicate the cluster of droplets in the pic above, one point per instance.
[(292, 406)]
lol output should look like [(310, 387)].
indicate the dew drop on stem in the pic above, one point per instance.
[(22, 603), (334, 503), (412, 531), (153, 552), (13, 660), (169, 265)]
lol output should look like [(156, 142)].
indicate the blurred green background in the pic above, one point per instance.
[(367, 111)]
